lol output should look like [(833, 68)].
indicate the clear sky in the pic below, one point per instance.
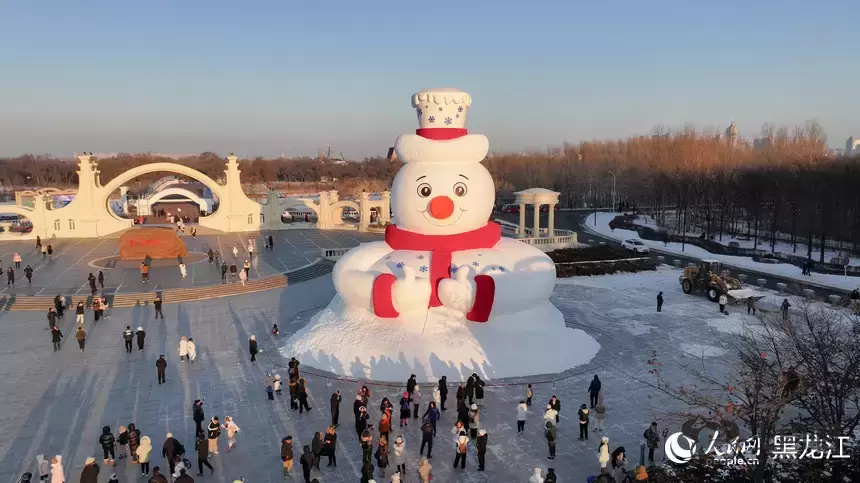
[(270, 76)]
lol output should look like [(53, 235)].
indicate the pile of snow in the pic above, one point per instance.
[(352, 342), (779, 269)]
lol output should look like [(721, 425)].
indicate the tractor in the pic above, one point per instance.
[(708, 277)]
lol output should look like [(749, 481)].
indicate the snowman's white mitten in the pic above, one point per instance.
[(411, 293), (458, 293)]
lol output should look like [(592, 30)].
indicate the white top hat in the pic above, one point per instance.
[(441, 136)]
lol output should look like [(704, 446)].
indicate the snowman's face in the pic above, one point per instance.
[(442, 199)]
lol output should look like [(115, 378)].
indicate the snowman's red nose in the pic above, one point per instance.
[(441, 207)]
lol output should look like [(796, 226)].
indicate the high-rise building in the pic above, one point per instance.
[(852, 146), (732, 134)]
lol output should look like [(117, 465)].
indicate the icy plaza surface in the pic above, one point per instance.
[(56, 403)]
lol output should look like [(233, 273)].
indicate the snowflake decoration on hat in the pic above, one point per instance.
[(475, 264), (400, 265), (452, 269), (440, 108), (421, 257), (431, 119), (420, 111), (460, 109), (423, 268), (448, 121)]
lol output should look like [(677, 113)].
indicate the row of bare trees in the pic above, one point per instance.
[(785, 185)]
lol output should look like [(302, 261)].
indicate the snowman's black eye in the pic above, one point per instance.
[(424, 190), (460, 189)]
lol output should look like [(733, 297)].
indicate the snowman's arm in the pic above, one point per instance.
[(528, 283), (352, 276)]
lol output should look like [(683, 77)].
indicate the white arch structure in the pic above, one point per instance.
[(144, 205), (89, 216)]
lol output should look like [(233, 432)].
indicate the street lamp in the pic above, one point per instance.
[(613, 191)]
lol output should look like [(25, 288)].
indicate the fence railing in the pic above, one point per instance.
[(333, 254)]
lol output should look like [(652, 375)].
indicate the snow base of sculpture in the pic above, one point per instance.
[(354, 343)]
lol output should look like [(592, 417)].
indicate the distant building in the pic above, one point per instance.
[(762, 143), (852, 146), (732, 134)]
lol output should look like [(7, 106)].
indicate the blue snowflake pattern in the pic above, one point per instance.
[(421, 257), (400, 265), (501, 269), (452, 269), (475, 264), (423, 268), (460, 109), (420, 111), (431, 119), (448, 121)]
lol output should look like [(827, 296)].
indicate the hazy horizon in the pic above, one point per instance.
[(274, 78)]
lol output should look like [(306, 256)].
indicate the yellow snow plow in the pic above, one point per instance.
[(708, 277)]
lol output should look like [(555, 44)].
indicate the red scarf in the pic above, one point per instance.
[(442, 248)]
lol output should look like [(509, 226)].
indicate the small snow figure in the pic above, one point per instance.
[(723, 301), (660, 302)]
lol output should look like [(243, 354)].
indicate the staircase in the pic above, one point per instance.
[(173, 295)]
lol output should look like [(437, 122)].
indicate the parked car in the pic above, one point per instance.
[(512, 208), (635, 246)]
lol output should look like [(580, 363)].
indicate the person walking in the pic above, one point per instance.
[(537, 476), (197, 414), (10, 277), (79, 313), (52, 318), (784, 309), (182, 270), (400, 454), (474, 420), (479, 390), (329, 446), (143, 453), (81, 337), (141, 337), (660, 302), (246, 267), (17, 259), (652, 439), (234, 273), (44, 468), (751, 306), (603, 452), (600, 412), (235, 252), (57, 473), (107, 442), (268, 385), (213, 432), (250, 249), (91, 279), (522, 410), (122, 440), (594, 391), (203, 449), (302, 393), (90, 473), (287, 456), (316, 449), (224, 273), (335, 407), (723, 301), (171, 450), (461, 443), (426, 438), (243, 276), (405, 412), (161, 369), (128, 336), (361, 420), (101, 279), (56, 337), (555, 402), (425, 475), (133, 442), (271, 243), (183, 348), (144, 272), (432, 415), (551, 435), (157, 303), (470, 388), (97, 308), (481, 444), (529, 394), (442, 386), (583, 422), (416, 401), (60, 305), (210, 255), (192, 350), (307, 462), (28, 272), (252, 348)]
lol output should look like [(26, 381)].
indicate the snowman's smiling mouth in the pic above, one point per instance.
[(432, 221)]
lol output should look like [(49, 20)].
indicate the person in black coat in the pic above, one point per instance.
[(316, 449), (307, 462), (463, 413), (198, 414), (479, 389), (356, 406), (660, 302), (202, 446), (302, 393), (101, 279), (335, 407), (481, 444), (141, 337), (593, 391), (170, 450), (470, 388), (555, 403), (361, 421), (329, 446), (252, 348), (107, 441), (443, 391), (410, 385)]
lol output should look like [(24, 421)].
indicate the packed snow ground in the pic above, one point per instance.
[(780, 269)]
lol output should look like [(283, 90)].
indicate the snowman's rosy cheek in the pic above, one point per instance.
[(460, 189)]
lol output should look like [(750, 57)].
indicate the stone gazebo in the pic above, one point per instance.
[(537, 197)]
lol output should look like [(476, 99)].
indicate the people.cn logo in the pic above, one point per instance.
[(679, 448)]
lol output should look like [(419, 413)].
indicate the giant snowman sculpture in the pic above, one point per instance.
[(444, 294)]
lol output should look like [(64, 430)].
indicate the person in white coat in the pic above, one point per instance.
[(723, 301), (522, 410), (400, 454), (250, 249), (536, 476), (57, 473), (437, 397), (231, 429), (183, 348), (603, 452), (243, 276), (192, 350), (182, 270), (416, 401), (235, 252)]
